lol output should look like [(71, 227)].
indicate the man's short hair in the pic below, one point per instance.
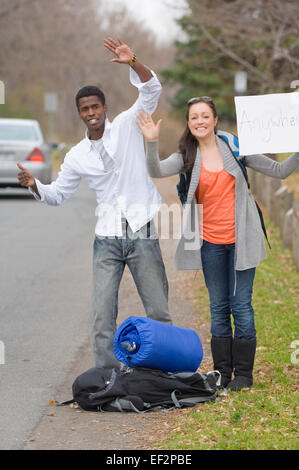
[(90, 90)]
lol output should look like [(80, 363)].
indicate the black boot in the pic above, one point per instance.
[(243, 360), (221, 348)]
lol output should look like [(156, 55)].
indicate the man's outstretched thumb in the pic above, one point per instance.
[(21, 167)]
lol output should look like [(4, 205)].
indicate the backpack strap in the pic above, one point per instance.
[(183, 186), (262, 222), (232, 142), (215, 372), (190, 401), (63, 403), (122, 404)]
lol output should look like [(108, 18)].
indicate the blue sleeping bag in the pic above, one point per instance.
[(143, 342)]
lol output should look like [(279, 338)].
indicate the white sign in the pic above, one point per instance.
[(50, 102), (268, 123), (240, 82)]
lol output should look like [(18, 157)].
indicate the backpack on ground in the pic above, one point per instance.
[(140, 389), (232, 142)]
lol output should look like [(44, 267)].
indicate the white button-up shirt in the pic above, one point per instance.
[(123, 188)]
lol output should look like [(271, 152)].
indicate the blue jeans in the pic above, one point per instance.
[(143, 257), (230, 292)]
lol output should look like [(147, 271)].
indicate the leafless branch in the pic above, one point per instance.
[(15, 6)]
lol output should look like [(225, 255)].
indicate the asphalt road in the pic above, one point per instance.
[(45, 307)]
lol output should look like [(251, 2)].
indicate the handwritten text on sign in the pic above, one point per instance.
[(268, 123)]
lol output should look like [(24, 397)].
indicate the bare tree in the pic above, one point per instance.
[(57, 47), (261, 36), (10, 6)]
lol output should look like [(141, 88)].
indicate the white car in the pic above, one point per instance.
[(21, 140)]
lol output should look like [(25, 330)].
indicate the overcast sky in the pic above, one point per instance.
[(158, 15)]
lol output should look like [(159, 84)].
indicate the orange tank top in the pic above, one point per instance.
[(216, 193)]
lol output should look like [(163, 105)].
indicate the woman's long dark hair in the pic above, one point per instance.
[(188, 143)]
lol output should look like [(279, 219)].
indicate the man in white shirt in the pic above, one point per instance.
[(111, 157)]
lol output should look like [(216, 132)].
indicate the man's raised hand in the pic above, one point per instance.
[(25, 177), (150, 130), (122, 52)]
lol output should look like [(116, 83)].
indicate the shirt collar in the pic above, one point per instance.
[(106, 131)]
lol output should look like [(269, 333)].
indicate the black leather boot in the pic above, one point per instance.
[(243, 359), (221, 348)]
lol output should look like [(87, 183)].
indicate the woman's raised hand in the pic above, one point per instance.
[(150, 130)]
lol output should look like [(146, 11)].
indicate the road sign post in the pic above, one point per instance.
[(51, 108)]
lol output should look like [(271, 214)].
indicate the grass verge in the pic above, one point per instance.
[(265, 416)]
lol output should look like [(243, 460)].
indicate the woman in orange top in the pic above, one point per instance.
[(216, 193), (231, 233)]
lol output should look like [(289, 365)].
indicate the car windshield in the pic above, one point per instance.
[(17, 132)]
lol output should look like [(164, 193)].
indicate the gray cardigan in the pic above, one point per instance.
[(250, 246)]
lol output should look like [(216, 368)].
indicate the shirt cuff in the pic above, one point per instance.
[(41, 192), (152, 144), (135, 80)]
